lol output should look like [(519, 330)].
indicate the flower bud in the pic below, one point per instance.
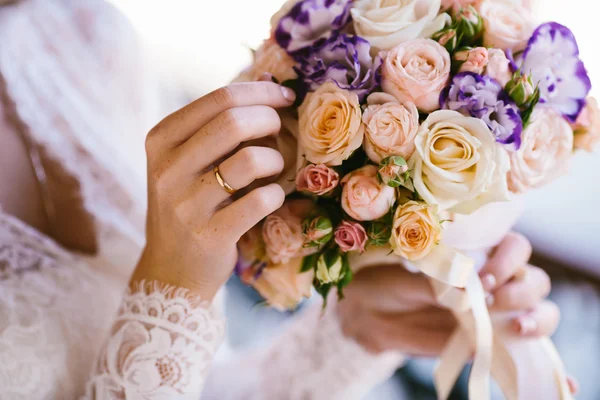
[(330, 267), (447, 38), (521, 89), (317, 231), (393, 171), (469, 25), (472, 60), (379, 233)]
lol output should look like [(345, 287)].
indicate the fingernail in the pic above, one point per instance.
[(288, 93), (573, 385), (266, 77), (490, 300), (489, 282), (525, 325)]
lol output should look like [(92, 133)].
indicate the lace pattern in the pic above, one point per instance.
[(162, 345)]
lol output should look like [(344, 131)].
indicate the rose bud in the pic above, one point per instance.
[(470, 25), (317, 231), (351, 236), (330, 267), (393, 171), (447, 38), (521, 89), (379, 233), (473, 60), (317, 179)]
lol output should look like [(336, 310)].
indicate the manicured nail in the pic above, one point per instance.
[(490, 300), (573, 385), (525, 325), (489, 282), (266, 77), (288, 93)]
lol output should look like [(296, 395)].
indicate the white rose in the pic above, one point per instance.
[(546, 148), (457, 163), (387, 23), (508, 24)]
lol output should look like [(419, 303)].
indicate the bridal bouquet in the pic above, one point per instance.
[(410, 112)]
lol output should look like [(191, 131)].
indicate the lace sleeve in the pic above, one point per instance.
[(312, 359), (161, 346)]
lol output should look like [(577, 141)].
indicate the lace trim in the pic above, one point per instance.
[(162, 344)]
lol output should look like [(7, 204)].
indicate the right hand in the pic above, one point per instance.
[(193, 225)]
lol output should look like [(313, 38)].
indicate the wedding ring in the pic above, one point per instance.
[(222, 182)]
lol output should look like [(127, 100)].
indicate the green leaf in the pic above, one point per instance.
[(309, 262)]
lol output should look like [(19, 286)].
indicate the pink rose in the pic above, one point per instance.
[(587, 126), (364, 198), (475, 60), (498, 66), (456, 5), (416, 72), (390, 127), (283, 286), (317, 179), (351, 236), (282, 232), (546, 148), (270, 58)]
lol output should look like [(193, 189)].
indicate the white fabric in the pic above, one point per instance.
[(81, 88)]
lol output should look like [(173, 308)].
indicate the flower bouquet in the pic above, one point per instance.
[(411, 115)]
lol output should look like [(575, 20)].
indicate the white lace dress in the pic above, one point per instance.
[(67, 330)]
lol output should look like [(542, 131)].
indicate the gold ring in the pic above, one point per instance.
[(222, 182)]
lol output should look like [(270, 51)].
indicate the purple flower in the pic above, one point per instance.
[(309, 21), (483, 97), (345, 60), (552, 60)]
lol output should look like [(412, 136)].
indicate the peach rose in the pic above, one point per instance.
[(498, 66), (507, 24), (364, 198), (587, 126), (351, 236), (317, 179), (330, 125), (456, 5), (416, 230), (282, 232), (457, 164), (270, 58), (283, 286), (390, 127), (475, 60), (388, 23), (547, 145), (416, 72)]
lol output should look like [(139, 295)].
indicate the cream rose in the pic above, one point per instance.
[(587, 127), (507, 24), (364, 198), (416, 230), (456, 5), (330, 125), (270, 58), (416, 72), (387, 23), (498, 66), (390, 127), (283, 286), (457, 163), (282, 232), (547, 145)]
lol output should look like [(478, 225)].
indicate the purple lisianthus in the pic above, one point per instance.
[(483, 97), (345, 60), (311, 20), (552, 60)]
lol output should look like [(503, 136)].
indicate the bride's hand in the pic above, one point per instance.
[(389, 308), (193, 225)]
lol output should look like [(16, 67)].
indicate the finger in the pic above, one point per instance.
[(542, 321), (241, 215), (512, 253), (392, 289), (182, 124), (523, 294), (223, 134), (238, 171)]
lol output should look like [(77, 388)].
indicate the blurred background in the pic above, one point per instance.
[(199, 45)]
